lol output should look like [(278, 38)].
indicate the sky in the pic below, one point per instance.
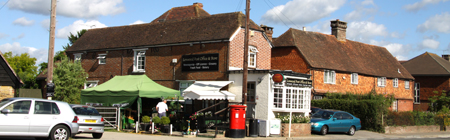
[(407, 28)]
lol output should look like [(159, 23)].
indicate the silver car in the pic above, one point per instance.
[(38, 118), (90, 120)]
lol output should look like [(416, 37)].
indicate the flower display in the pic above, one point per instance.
[(195, 115)]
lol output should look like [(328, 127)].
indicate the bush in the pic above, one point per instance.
[(156, 120), (410, 118), (145, 119), (295, 119), (165, 120)]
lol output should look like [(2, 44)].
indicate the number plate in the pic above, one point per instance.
[(90, 121)]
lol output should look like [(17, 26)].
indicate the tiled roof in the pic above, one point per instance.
[(326, 52), (214, 27), (185, 12), (428, 64)]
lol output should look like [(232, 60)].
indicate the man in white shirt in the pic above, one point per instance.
[(162, 108)]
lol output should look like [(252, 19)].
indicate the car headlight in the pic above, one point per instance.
[(314, 124)]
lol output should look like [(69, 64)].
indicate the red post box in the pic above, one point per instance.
[(237, 121)]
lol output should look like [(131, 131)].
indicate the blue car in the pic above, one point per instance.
[(326, 121)]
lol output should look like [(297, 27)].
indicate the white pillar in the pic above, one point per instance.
[(153, 127), (170, 129)]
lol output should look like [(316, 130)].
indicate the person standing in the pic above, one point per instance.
[(162, 108)]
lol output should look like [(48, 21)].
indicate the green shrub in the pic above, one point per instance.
[(145, 119), (165, 120), (295, 119), (410, 118), (156, 120)]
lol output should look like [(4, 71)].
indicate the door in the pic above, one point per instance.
[(17, 121), (347, 121), (335, 123), (251, 100), (45, 114)]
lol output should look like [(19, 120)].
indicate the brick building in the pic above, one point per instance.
[(338, 65), (431, 73), (9, 80)]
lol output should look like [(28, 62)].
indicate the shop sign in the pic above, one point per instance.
[(200, 62), (277, 78), (298, 82)]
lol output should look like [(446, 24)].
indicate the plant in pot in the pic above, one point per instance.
[(165, 121), (145, 125), (156, 120)]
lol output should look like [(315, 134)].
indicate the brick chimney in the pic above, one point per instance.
[(446, 57), (268, 30), (339, 29), (198, 5)]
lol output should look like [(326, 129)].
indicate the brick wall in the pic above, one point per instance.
[(6, 92), (258, 41), (288, 58), (405, 105), (429, 84)]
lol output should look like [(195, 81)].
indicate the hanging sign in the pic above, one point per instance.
[(277, 77), (298, 82), (200, 62)]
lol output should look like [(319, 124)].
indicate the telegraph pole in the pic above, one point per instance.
[(51, 46), (244, 78)]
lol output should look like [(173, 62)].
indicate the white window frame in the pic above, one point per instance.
[(329, 77), (184, 84), (395, 105), (295, 99), (137, 54), (90, 84), (354, 78), (101, 58), (416, 93), (381, 82), (406, 84), (395, 82), (77, 57), (252, 51)]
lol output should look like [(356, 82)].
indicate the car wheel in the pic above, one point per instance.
[(60, 132), (352, 130), (324, 130), (97, 135)]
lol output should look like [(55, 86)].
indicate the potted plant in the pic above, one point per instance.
[(165, 121), (145, 125)]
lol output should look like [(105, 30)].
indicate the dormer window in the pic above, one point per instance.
[(252, 56), (101, 58), (139, 60), (77, 57)]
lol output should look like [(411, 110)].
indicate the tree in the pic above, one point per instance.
[(69, 78), (43, 66), (25, 68), (439, 102), (73, 38)]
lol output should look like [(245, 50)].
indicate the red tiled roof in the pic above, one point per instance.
[(428, 64), (185, 12), (214, 27), (326, 52)]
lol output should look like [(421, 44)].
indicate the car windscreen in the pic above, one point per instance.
[(85, 111), (323, 114)]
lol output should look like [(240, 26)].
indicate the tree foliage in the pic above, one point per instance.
[(25, 68), (69, 78), (73, 38), (439, 102)]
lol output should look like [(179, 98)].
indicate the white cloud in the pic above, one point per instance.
[(137, 22), (23, 22), (45, 24), (301, 12), (400, 51), (397, 35), (70, 8), (77, 26), (19, 37), (41, 55), (429, 43), (439, 23), (421, 5), (365, 30), (321, 26), (2, 35), (362, 9)]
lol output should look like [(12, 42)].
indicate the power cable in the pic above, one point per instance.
[(284, 15), (4, 5), (276, 14), (239, 6)]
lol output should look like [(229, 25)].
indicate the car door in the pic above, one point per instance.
[(334, 125), (44, 116), (347, 121), (17, 121)]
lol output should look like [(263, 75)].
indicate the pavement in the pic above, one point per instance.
[(361, 134)]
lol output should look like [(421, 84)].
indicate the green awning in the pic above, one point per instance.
[(125, 90)]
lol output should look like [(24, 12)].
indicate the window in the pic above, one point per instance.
[(394, 105), (139, 60), (184, 85), (291, 98), (416, 93), (354, 78), (346, 116), (19, 107), (395, 82), (251, 91), (45, 108), (406, 84), (101, 58), (329, 77), (381, 81), (77, 57), (90, 84), (278, 97), (252, 56)]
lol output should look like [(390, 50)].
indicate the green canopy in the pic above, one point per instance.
[(123, 91)]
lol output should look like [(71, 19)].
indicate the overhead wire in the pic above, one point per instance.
[(277, 14), (274, 7), (4, 5), (239, 6)]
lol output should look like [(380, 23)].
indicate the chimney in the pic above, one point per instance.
[(304, 28), (338, 29), (446, 57), (268, 30), (198, 5)]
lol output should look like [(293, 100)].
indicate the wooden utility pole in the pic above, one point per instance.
[(51, 45), (244, 78)]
